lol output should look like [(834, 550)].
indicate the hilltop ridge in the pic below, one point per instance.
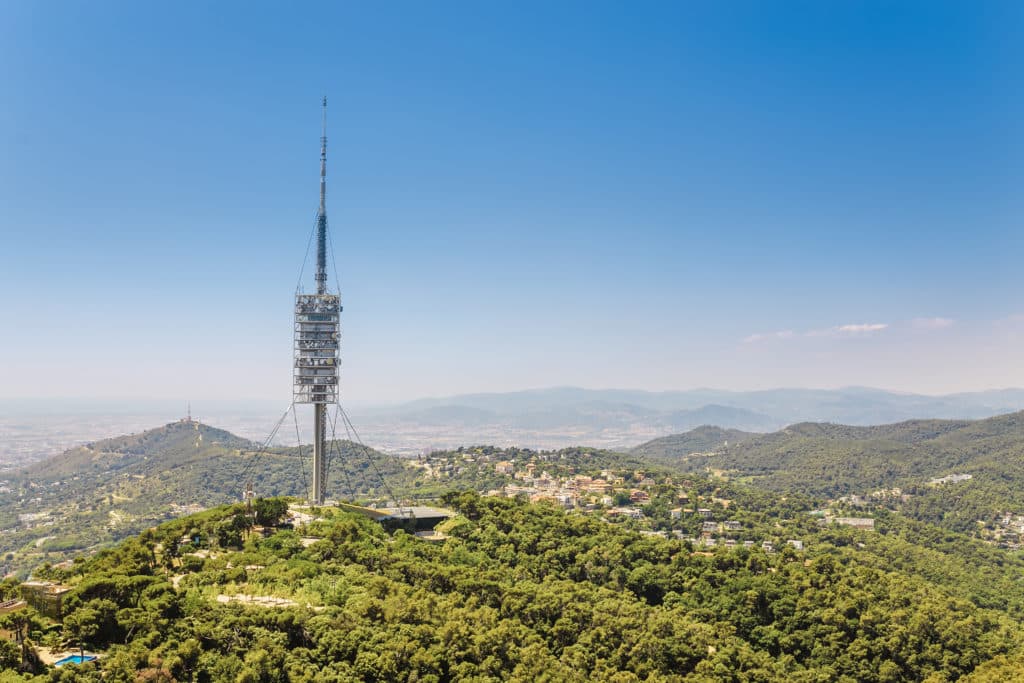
[(92, 495), (669, 450), (176, 443), (895, 464)]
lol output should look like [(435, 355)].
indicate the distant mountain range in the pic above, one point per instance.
[(541, 419), (598, 413)]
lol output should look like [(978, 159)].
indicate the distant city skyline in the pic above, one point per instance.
[(661, 196)]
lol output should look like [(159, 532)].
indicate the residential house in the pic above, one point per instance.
[(47, 597), (637, 496)]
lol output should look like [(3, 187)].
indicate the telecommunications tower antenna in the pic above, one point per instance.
[(316, 338)]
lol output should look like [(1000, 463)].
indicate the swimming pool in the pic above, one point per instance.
[(74, 659)]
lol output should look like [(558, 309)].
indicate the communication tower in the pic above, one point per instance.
[(317, 335)]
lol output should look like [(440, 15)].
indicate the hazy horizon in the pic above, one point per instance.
[(58, 403), (545, 418)]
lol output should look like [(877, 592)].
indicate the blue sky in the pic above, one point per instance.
[(649, 195)]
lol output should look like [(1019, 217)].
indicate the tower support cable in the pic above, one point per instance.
[(251, 464), (336, 449), (302, 460), (369, 459)]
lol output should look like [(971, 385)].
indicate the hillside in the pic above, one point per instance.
[(177, 443), (96, 494), (520, 592), (671, 450), (836, 460), (93, 495), (743, 584)]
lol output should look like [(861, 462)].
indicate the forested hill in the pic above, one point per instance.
[(831, 460), (95, 494), (163, 447), (520, 592), (191, 463), (673, 578), (669, 450), (836, 460)]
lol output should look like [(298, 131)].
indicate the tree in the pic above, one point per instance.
[(270, 511), (21, 623), (81, 625), (10, 655)]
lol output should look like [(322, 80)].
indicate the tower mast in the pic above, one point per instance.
[(320, 407), (316, 338), (321, 216)]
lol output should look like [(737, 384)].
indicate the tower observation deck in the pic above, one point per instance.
[(317, 338)]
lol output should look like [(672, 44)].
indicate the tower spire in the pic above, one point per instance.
[(323, 160), (321, 216)]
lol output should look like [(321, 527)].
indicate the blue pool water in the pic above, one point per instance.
[(74, 659)]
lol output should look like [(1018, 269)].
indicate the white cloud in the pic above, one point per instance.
[(932, 323), (763, 336), (849, 329), (853, 329), (863, 327)]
